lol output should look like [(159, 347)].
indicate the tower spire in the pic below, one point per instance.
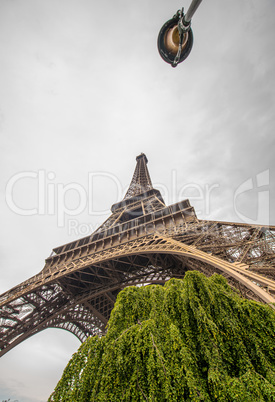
[(141, 181)]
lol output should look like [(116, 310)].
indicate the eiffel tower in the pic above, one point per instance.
[(142, 242)]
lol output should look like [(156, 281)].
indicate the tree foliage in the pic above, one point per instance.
[(189, 340)]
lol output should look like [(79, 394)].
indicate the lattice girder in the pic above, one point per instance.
[(136, 261)]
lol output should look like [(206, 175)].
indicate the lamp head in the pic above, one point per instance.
[(169, 40)]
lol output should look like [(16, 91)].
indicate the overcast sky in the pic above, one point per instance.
[(83, 91)]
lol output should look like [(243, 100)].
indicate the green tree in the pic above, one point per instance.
[(189, 340)]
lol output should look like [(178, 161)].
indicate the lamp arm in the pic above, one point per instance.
[(191, 11)]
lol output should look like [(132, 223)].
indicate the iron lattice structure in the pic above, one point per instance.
[(142, 242)]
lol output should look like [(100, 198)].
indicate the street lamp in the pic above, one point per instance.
[(175, 38)]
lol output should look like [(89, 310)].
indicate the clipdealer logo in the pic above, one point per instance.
[(52, 197)]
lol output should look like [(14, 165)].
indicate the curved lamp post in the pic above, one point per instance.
[(175, 38)]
